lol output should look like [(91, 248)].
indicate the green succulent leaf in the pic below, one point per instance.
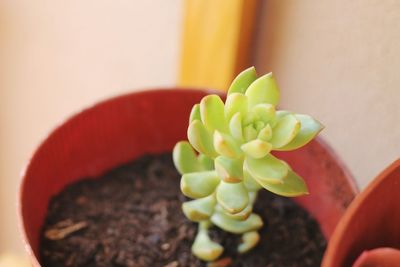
[(265, 133), (293, 185), (205, 162), (185, 158), (235, 127), (249, 118), (265, 112), (253, 222), (263, 90), (249, 241), (279, 114), (235, 103), (282, 113), (242, 81), (285, 131), (256, 148), (249, 182), (267, 169), (204, 248), (213, 114), (199, 209), (258, 125), (252, 196), (225, 145), (230, 170), (195, 113), (249, 133), (199, 184), (201, 139), (310, 127), (233, 197), (241, 216)]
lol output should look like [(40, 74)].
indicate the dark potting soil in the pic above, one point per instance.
[(131, 216)]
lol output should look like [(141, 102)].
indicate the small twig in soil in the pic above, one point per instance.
[(224, 262), (172, 264), (58, 233)]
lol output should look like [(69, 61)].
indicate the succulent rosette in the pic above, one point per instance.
[(228, 159)]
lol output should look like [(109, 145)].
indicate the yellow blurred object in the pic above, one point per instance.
[(216, 41), (13, 260)]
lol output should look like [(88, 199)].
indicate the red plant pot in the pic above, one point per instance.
[(378, 257), (123, 128), (372, 222)]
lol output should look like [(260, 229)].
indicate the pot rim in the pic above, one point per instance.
[(352, 212)]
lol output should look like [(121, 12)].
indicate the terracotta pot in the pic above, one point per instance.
[(372, 221), (379, 257), (124, 128)]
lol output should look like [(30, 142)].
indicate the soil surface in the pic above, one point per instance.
[(131, 216)]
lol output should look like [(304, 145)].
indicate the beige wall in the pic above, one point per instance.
[(339, 61), (59, 56)]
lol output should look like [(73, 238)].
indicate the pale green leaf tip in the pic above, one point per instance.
[(249, 241), (233, 197), (229, 170), (199, 184), (200, 138), (206, 249), (195, 113), (263, 90), (184, 158), (252, 223), (321, 126), (243, 80), (256, 148), (199, 209), (225, 145)]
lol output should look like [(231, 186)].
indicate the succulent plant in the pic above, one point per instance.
[(228, 159)]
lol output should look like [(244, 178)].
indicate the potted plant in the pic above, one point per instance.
[(368, 235), (60, 175)]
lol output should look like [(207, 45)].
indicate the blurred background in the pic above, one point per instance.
[(336, 60)]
